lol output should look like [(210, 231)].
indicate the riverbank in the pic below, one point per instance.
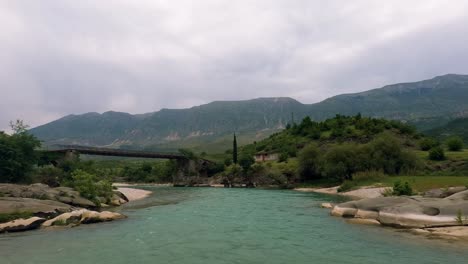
[(361, 193), (134, 194), (28, 207), (438, 213)]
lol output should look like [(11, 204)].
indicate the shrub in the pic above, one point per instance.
[(427, 143), (346, 186), (49, 175), (90, 187), (17, 156), (454, 143), (402, 189), (437, 153), (309, 159), (339, 163)]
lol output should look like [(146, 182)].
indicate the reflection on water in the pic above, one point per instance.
[(208, 225)]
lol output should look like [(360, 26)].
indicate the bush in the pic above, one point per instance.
[(17, 156), (49, 175), (427, 143), (309, 162), (437, 153), (346, 186), (402, 189), (339, 163), (454, 143), (90, 187)]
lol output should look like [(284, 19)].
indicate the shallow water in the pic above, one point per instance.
[(211, 225)]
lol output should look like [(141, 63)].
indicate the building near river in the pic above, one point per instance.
[(266, 156)]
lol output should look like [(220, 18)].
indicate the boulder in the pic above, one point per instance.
[(408, 212), (82, 216), (444, 192), (327, 205), (45, 208), (44, 192), (21, 224)]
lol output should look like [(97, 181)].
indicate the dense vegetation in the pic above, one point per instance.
[(17, 156)]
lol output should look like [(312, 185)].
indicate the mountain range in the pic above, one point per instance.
[(426, 104)]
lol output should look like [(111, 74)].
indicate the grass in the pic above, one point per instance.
[(419, 183), (451, 155), (10, 217)]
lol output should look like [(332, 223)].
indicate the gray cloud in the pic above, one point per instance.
[(62, 57)]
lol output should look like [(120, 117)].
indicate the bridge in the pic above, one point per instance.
[(75, 149), (189, 169)]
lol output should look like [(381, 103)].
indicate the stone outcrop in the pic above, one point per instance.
[(22, 224), (60, 194), (82, 216), (408, 212), (43, 208), (444, 192)]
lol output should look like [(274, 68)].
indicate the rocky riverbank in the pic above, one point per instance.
[(437, 213), (27, 207)]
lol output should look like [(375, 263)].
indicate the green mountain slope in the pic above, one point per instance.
[(457, 127), (427, 104)]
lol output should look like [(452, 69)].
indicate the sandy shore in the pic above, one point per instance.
[(364, 192), (134, 194)]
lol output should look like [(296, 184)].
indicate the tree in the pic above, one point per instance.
[(454, 143), (246, 160), (427, 143), (234, 150), (17, 155), (18, 127), (437, 153), (309, 159)]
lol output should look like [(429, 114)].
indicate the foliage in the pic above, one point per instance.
[(17, 155), (234, 150), (49, 175), (246, 160), (188, 154), (437, 153), (150, 172), (91, 187), (17, 215), (309, 163), (346, 186), (400, 188), (427, 143), (454, 143)]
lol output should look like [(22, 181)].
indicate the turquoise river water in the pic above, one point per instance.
[(211, 225)]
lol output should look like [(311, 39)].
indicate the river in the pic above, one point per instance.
[(217, 225)]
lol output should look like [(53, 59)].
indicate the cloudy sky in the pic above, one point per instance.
[(67, 56)]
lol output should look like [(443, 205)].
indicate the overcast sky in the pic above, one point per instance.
[(67, 56)]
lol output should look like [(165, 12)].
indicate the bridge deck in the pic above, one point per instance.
[(117, 152)]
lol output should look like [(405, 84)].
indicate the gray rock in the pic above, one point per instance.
[(444, 192), (10, 205), (21, 224), (407, 211)]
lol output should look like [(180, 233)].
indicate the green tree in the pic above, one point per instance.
[(309, 162), (437, 153), (454, 143), (17, 155), (427, 143), (234, 150), (246, 160)]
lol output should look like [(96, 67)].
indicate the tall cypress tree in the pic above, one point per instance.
[(234, 150)]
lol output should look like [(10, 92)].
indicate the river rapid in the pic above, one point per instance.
[(217, 225)]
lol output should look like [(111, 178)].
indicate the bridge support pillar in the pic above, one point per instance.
[(187, 173), (71, 155)]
